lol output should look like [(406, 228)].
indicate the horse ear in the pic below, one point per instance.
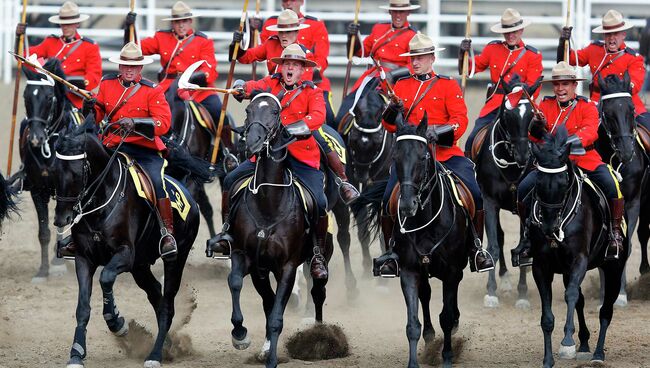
[(627, 80), (535, 86), (601, 83), (422, 127), (534, 147)]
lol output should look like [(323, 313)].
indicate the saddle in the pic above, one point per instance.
[(478, 142), (643, 137), (202, 116)]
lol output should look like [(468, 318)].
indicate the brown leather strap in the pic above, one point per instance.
[(386, 41), (71, 50), (178, 51), (110, 115), (421, 97)]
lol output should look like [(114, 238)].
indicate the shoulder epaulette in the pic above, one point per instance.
[(52, 36), (598, 43), (443, 76), (385, 22), (412, 28), (310, 17), (165, 30), (88, 40), (582, 98), (531, 48), (549, 98), (404, 77), (304, 48), (147, 82), (274, 37), (631, 51), (110, 76), (273, 17), (200, 34), (308, 83), (495, 42), (276, 76)]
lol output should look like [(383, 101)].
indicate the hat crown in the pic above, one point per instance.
[(131, 51), (288, 17), (563, 69), (398, 3), (421, 41), (293, 51), (69, 9), (612, 18), (510, 17), (181, 9)]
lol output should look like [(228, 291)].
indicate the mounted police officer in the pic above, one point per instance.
[(288, 26), (301, 101), (440, 98), (505, 59), (610, 56), (79, 55), (580, 117), (387, 42), (131, 106)]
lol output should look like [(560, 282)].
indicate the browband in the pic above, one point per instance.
[(80, 156), (411, 137), (552, 171)]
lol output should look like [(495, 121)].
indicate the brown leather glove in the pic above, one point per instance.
[(21, 28)]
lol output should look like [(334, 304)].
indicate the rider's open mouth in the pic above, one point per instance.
[(289, 74)]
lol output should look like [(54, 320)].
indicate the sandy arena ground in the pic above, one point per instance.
[(37, 320)]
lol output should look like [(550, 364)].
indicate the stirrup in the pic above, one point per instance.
[(612, 257), (351, 187), (475, 266), (59, 246), (518, 261), (219, 240), (170, 254), (380, 262)]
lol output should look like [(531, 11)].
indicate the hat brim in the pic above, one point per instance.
[(422, 52), (563, 79), (181, 18), (410, 7), (498, 28), (275, 28), (600, 28), (117, 60), (308, 63), (56, 20)]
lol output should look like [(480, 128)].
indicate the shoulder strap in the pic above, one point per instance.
[(177, 52), (611, 61), (117, 108), (421, 97), (521, 55), (566, 118), (386, 41), (71, 50), (298, 92)]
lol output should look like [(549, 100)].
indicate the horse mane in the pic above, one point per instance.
[(69, 139), (52, 65), (613, 84), (553, 148)]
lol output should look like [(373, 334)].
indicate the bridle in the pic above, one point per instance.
[(611, 136), (50, 128), (507, 142)]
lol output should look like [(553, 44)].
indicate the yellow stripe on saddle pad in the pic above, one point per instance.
[(198, 116), (597, 190), (454, 190), (334, 144), (301, 191), (77, 117)]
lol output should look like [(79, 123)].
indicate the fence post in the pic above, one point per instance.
[(433, 19)]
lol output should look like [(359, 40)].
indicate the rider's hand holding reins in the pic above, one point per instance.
[(126, 124), (537, 127), (238, 91), (465, 47), (88, 106), (395, 107), (20, 29)]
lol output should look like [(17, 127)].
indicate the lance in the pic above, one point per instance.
[(567, 44), (184, 80), (231, 72), (348, 68), (14, 111), (256, 36), (468, 26), (382, 76), (132, 26)]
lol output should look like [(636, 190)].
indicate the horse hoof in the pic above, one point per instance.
[(583, 356), (58, 270), (491, 301), (123, 331), (152, 364), (264, 353), (522, 304), (307, 321), (505, 284), (567, 352), (621, 301), (242, 344), (74, 366)]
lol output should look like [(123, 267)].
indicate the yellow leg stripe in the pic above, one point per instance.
[(618, 187)]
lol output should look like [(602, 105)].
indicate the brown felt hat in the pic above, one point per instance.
[(294, 52), (287, 21), (68, 14), (511, 21), (131, 54), (563, 72), (399, 5), (612, 22), (180, 10), (421, 44)]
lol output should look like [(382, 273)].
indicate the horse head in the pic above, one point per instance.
[(44, 101), (75, 151), (617, 114), (367, 138), (413, 162), (553, 183), (515, 122), (262, 121)]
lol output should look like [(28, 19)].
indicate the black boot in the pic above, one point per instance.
[(615, 245), (221, 242), (520, 256), (318, 262), (479, 259), (347, 191), (167, 245), (66, 248), (387, 264)]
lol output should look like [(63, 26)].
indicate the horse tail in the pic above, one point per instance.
[(7, 203), (181, 160), (367, 208)]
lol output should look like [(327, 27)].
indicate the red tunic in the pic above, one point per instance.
[(443, 103), (84, 60), (596, 57), (309, 106), (385, 44), (583, 122), (499, 58), (194, 47), (271, 49), (148, 102)]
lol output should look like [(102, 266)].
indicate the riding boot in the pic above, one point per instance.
[(66, 248), (347, 191), (167, 244), (386, 265), (521, 254), (318, 261), (221, 242), (479, 259), (615, 245)]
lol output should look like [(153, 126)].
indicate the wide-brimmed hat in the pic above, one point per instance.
[(287, 21), (421, 44), (612, 22), (131, 54), (68, 14), (563, 71), (294, 52), (399, 5), (511, 21), (180, 10)]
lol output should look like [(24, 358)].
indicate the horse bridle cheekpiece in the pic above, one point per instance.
[(606, 128)]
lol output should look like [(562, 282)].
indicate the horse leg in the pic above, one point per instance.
[(275, 322), (632, 218), (146, 281), (410, 284), (41, 199), (120, 262), (544, 280), (263, 287), (571, 294), (239, 334), (342, 216), (85, 271), (503, 266), (424, 294), (491, 300), (522, 290), (612, 277), (583, 332), (448, 317), (643, 234), (205, 207), (364, 239)]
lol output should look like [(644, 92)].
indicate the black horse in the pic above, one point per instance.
[(98, 202), (643, 231), (48, 112), (569, 236), (431, 236), (502, 161), (370, 149), (7, 203), (617, 144), (269, 227)]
